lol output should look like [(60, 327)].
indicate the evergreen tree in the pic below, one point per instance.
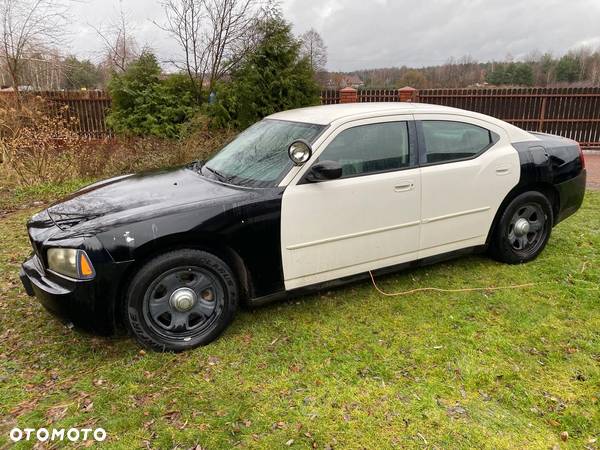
[(273, 77), (144, 104), (522, 75), (568, 69), (80, 74)]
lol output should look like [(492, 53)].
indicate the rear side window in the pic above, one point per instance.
[(451, 141), (369, 149)]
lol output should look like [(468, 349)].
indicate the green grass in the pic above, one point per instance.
[(16, 197), (345, 369)]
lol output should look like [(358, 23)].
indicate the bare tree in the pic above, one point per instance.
[(28, 25), (595, 69), (120, 45), (214, 35), (230, 22), (185, 23), (313, 47), (43, 70)]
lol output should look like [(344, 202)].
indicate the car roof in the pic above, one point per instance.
[(326, 114)]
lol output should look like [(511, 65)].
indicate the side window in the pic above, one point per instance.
[(370, 148), (450, 141)]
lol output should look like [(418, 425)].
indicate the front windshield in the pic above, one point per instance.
[(258, 157)]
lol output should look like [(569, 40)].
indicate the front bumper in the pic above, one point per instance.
[(71, 301)]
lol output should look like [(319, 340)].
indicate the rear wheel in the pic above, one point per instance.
[(181, 300), (523, 229)]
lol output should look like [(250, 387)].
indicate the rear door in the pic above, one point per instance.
[(468, 166), (365, 220)]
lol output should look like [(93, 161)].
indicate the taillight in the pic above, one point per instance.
[(581, 157)]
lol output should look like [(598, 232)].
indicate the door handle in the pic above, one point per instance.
[(502, 170), (404, 186)]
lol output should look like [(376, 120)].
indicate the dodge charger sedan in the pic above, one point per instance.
[(301, 200)]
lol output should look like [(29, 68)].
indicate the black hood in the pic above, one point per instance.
[(141, 195)]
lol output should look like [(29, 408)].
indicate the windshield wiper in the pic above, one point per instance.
[(196, 165), (217, 173)]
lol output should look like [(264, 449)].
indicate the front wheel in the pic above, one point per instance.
[(523, 229), (180, 300)]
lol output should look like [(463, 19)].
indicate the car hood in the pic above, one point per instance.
[(138, 196)]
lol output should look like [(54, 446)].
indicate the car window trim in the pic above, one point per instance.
[(412, 153), (495, 137)]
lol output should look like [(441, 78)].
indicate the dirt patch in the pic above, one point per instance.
[(592, 164)]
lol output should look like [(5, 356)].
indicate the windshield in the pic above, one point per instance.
[(258, 157)]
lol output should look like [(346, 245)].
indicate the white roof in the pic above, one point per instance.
[(327, 114)]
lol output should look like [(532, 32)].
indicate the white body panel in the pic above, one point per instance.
[(350, 225), (460, 199), (343, 227), (334, 229)]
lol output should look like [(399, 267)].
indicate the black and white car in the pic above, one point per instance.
[(302, 199)]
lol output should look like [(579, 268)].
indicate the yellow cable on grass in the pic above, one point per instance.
[(493, 288)]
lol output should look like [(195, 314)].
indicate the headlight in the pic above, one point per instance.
[(70, 262)]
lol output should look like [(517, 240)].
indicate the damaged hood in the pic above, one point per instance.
[(140, 195)]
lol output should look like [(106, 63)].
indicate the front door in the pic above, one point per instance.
[(367, 219)]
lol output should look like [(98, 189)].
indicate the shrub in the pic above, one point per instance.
[(133, 154), (40, 147), (143, 104), (36, 144), (43, 158)]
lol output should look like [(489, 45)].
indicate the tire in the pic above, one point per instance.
[(523, 229), (181, 300)]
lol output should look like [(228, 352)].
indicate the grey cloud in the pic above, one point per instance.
[(383, 33), (386, 33)]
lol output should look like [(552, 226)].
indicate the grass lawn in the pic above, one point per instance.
[(348, 368)]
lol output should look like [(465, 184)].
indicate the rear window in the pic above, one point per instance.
[(447, 141)]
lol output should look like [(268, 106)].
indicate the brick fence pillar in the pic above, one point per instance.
[(408, 94), (348, 95)]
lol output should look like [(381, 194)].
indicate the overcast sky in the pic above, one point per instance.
[(383, 33)]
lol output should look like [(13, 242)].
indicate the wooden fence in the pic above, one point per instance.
[(568, 112), (88, 107)]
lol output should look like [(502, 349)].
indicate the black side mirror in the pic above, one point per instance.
[(323, 171)]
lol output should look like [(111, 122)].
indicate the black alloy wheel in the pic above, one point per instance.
[(523, 229), (180, 300)]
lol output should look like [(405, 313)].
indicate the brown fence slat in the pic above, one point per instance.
[(88, 107)]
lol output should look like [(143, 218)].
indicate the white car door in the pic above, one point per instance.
[(468, 166), (367, 219)]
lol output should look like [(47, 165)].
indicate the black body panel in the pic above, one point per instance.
[(128, 219), (555, 162)]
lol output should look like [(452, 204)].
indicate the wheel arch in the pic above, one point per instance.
[(546, 189), (209, 243)]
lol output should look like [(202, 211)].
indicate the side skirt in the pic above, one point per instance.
[(286, 295)]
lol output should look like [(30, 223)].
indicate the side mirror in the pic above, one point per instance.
[(299, 152), (323, 171)]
